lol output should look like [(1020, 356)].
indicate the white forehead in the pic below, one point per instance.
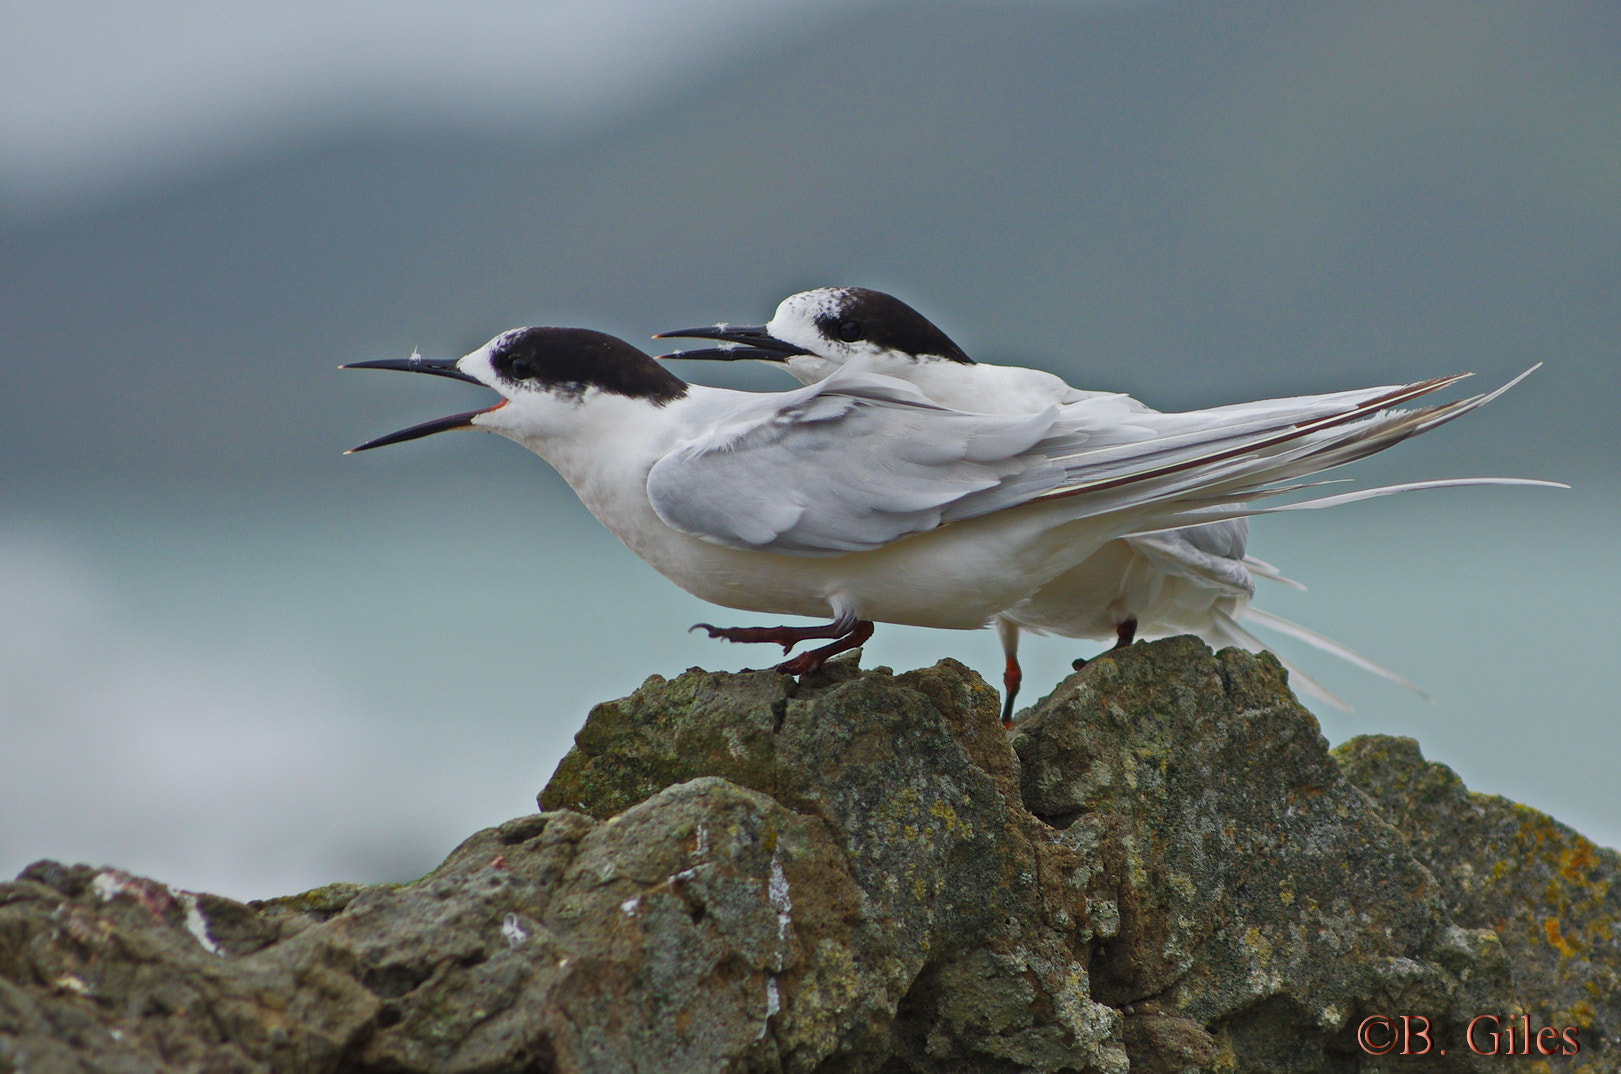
[(478, 361), (795, 319)]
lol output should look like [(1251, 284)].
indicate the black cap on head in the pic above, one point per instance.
[(571, 360), (884, 320)]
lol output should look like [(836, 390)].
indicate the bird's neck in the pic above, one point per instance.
[(600, 443)]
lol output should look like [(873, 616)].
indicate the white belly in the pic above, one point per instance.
[(1121, 581), (956, 577)]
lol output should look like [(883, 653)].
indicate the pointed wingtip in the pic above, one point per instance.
[(1493, 395)]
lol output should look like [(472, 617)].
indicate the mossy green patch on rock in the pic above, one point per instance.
[(670, 731)]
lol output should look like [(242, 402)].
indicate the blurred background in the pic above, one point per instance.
[(233, 659)]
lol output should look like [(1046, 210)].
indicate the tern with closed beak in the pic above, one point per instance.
[(1196, 579)]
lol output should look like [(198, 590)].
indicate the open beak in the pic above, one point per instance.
[(439, 367), (737, 342)]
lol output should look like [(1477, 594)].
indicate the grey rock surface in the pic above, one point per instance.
[(1162, 868), (1550, 895)]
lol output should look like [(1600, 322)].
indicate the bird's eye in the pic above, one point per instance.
[(519, 369), (849, 331)]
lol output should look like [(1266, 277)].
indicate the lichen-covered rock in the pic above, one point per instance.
[(103, 971), (1161, 868), (707, 928), (973, 908), (1550, 895), (1255, 891)]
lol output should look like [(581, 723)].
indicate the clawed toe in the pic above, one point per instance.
[(842, 630), (787, 637), (803, 664), (807, 662)]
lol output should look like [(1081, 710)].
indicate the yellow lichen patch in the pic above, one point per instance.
[(1226, 1056), (1259, 944), (1556, 939), (900, 814), (1577, 861), (69, 983), (954, 824), (1286, 891), (1536, 826)]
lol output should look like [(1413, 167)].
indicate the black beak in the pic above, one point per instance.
[(416, 432), (439, 367), (737, 343)]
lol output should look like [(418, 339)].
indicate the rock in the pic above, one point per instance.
[(972, 914), (1549, 895), (1255, 892), (1161, 869)]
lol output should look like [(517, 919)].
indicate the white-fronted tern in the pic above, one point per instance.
[(1196, 579)]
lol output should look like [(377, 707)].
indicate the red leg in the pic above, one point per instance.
[(1125, 632), (805, 663), (1012, 677), (785, 636)]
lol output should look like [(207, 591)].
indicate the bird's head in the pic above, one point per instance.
[(815, 332), (545, 377)]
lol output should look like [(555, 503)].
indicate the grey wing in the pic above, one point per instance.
[(1227, 540), (825, 470), (1227, 455), (830, 472), (1202, 552)]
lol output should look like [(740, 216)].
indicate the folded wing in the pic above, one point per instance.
[(859, 460), (851, 463)]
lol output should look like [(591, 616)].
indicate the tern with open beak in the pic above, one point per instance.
[(859, 500)]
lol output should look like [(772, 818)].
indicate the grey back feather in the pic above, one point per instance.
[(851, 464)]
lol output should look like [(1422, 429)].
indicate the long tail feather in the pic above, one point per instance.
[(1262, 569), (1195, 515), (1209, 476), (1409, 486), (1230, 633), (1328, 645)]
